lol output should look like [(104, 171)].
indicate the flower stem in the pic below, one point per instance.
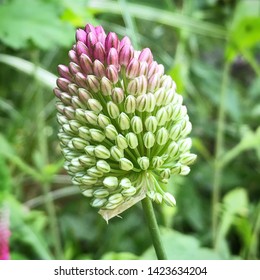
[(154, 229)]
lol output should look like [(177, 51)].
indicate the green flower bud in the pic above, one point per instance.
[(162, 116), (113, 110), (98, 202), (157, 162), (106, 86), (130, 104), (84, 133), (94, 172), (166, 173), (175, 132), (62, 119), (162, 136), (151, 102), (102, 152), (185, 145), (87, 161), (88, 192), (90, 150), (169, 199), (103, 120), (187, 158), (151, 123), (101, 193), (143, 162), (176, 169), (110, 182), (124, 121), (125, 183), (132, 140), (149, 140), (173, 149), (94, 105), (158, 198), (185, 170), (141, 103), (91, 117), (79, 143), (111, 132), (67, 129), (97, 135), (74, 125), (103, 166), (116, 198), (118, 95), (137, 125), (121, 142), (160, 96), (93, 83), (116, 153), (125, 164), (129, 192), (88, 180), (80, 115)]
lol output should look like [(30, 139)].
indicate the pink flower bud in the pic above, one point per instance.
[(80, 79), (99, 52), (143, 68), (124, 41), (64, 72), (74, 68), (126, 53), (112, 74), (101, 35), (63, 83), (111, 41), (81, 35), (152, 69), (73, 56), (57, 92), (146, 55), (86, 64), (112, 57), (81, 48), (89, 28), (73, 89), (132, 69), (91, 40), (99, 69), (153, 82)]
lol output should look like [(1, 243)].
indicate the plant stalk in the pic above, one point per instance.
[(154, 229), (217, 176)]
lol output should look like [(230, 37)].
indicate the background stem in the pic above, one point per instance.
[(154, 229), (218, 152)]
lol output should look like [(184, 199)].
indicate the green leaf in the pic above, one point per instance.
[(26, 21)]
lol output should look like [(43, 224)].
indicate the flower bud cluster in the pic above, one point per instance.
[(123, 126)]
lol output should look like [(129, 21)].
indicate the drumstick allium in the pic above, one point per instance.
[(123, 126)]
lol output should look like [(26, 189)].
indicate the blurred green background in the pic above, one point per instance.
[(211, 49)]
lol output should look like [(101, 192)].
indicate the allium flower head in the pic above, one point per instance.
[(123, 126)]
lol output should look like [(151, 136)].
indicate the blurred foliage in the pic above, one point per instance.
[(211, 49)]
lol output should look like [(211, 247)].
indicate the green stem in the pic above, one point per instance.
[(154, 229), (218, 152)]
